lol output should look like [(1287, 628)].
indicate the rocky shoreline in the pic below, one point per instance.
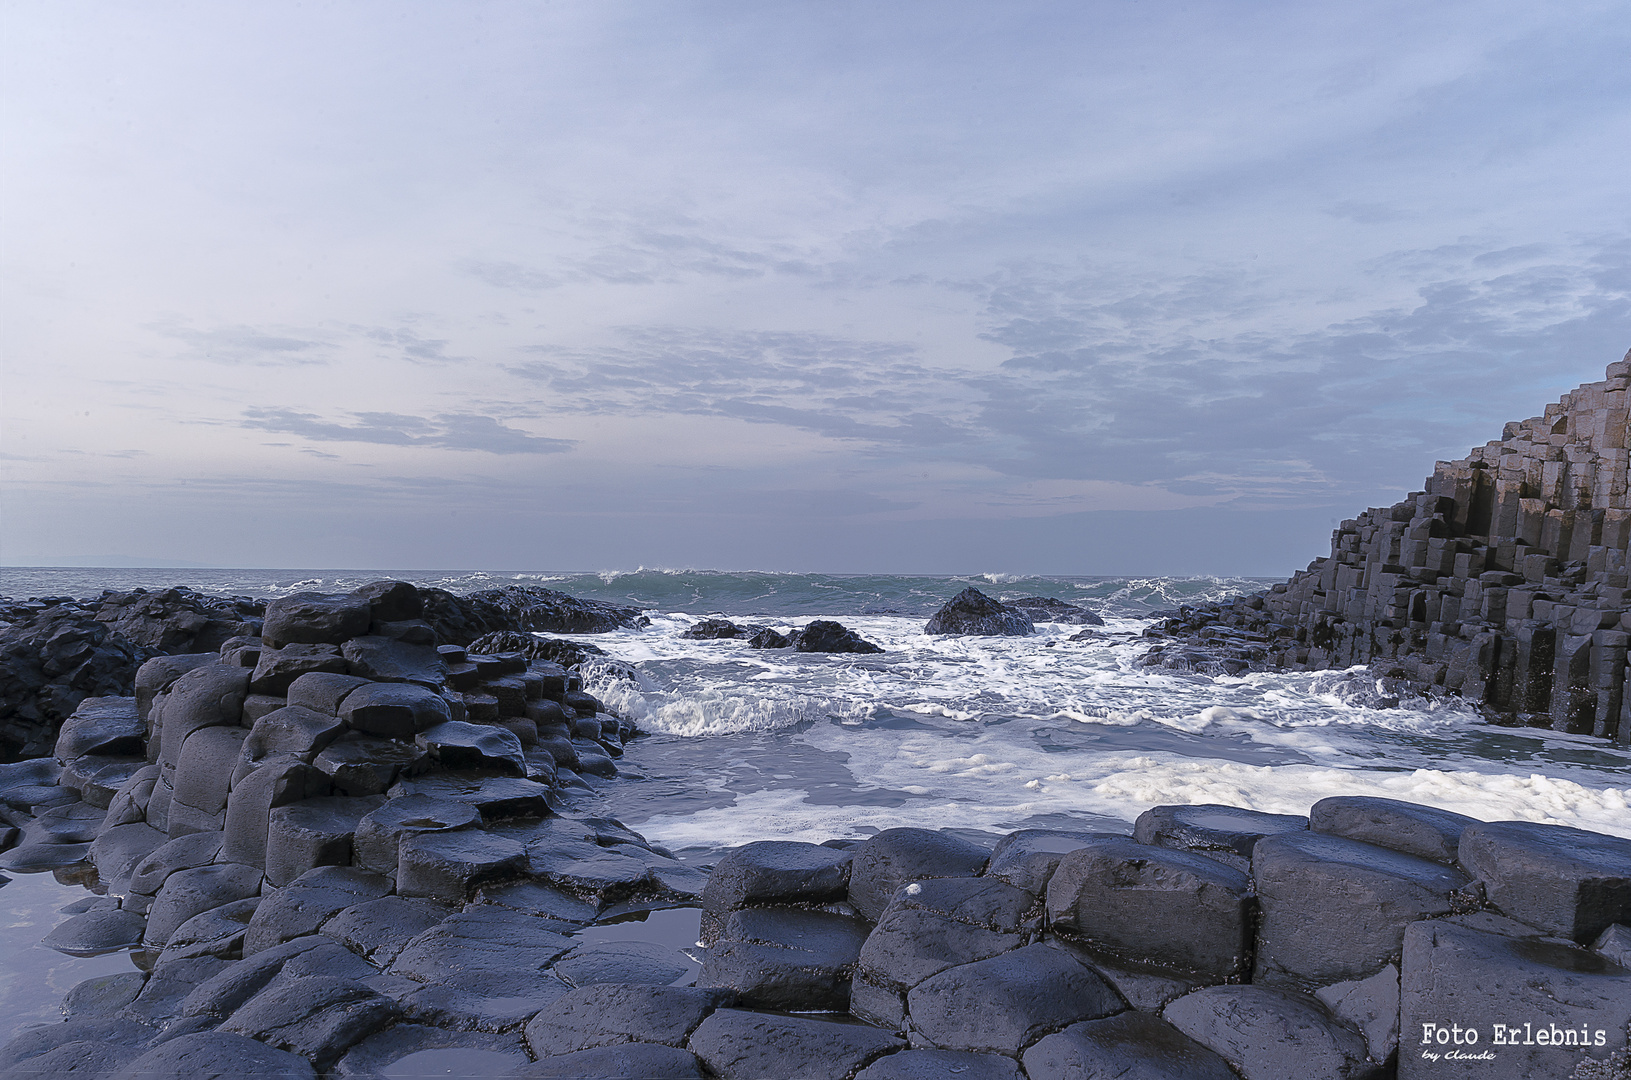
[(343, 847)]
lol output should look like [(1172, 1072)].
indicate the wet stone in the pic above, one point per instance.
[(1423, 831), (897, 857), (318, 1018), (169, 984), (215, 1055), (118, 850), (36, 858), (96, 932), (397, 1050), (70, 823), (538, 899), (1226, 833), (491, 1001), (378, 834), (786, 958), (611, 1013), (102, 996), (449, 866), (940, 1064), (382, 658), (1565, 881), (460, 745), (305, 904), (32, 1043), (736, 1044), (623, 962), (74, 1060), (191, 892), (104, 726), (910, 945), (277, 669), (992, 904), (217, 932), (222, 993), (293, 729), (495, 797), (358, 764), (380, 929), (486, 938), (323, 692), (1271, 1035), (645, 1060), (1127, 1044), (393, 710), (312, 833)]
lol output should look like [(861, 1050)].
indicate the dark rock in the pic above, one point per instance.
[(495, 797), (379, 833), (536, 899), (1003, 1004), (312, 833), (486, 938), (1268, 1035), (101, 997), (634, 962), (1051, 609), (359, 765), (225, 992), (391, 661), (393, 710), (1565, 881), (129, 803), (826, 636), (938, 1064), (108, 726), (1528, 986), (450, 865), (1422, 831), (712, 630), (992, 904), (1370, 1006), (318, 1018), (204, 697), (1153, 905), (738, 1045), (488, 1000), (1335, 910), (648, 1061), (32, 1043), (380, 929), (275, 783), (277, 669), (75, 1059), (769, 639), (455, 744), (314, 619), (96, 932), (70, 823), (306, 903), (186, 893), (203, 777), (1129, 1044), (391, 601), (784, 958), (910, 945), (531, 607), (216, 1055), (321, 692), (896, 857), (1226, 833), (611, 1013), (973, 612), (1027, 858), (117, 850), (34, 858), (182, 853), (398, 1050), (217, 932), (173, 978)]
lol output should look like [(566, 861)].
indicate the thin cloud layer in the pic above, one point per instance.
[(447, 431)]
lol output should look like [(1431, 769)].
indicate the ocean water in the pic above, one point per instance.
[(980, 735)]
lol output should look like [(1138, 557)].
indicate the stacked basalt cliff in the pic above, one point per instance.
[(1504, 581)]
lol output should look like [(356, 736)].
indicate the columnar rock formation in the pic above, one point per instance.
[(1504, 581)]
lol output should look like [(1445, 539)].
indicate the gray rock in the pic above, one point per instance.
[(173, 978), (96, 932), (380, 929), (276, 782), (645, 1060), (204, 697), (391, 601), (449, 866), (486, 938), (1371, 1006), (612, 1013), (217, 932), (277, 669), (70, 823), (986, 902), (395, 661), (186, 893), (1529, 986), (106, 726), (590, 870), (1335, 910), (592, 758), (1226, 833), (293, 729), (223, 993), (1565, 881), (305, 904), (312, 833), (1614, 944), (358, 764), (1268, 1035), (32, 1043), (495, 797), (182, 853), (1154, 905), (1129, 1044), (911, 945), (35, 858), (897, 857), (118, 850), (103, 996), (258, 705), (104, 778), (1027, 858), (973, 612), (129, 803), (393, 710), (493, 1001), (203, 776), (318, 1018), (418, 1049), (623, 962), (157, 675), (314, 619), (538, 899), (1001, 1005), (1422, 831), (215, 1055), (459, 745), (735, 1044), (83, 1059), (323, 692), (379, 833), (772, 872)]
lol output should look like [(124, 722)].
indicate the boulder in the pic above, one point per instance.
[(648, 1061), (224, 993), (973, 612), (1335, 910), (1423, 831), (102, 997), (203, 777), (1145, 904), (318, 1018), (1001, 1005), (203, 697), (322, 692), (611, 1013), (532, 607), (495, 797), (455, 744), (766, 638), (393, 710), (1051, 609), (1514, 993), (393, 661), (190, 892), (118, 849), (108, 726), (985, 902), (826, 636), (739, 1045), (379, 833), (379, 929), (311, 833), (358, 764), (300, 908), (908, 946), (31, 1043), (314, 619), (96, 932), (1226, 833), (391, 601), (896, 857), (216, 1055), (274, 783), (937, 1064), (277, 669), (1270, 1035), (785, 958), (182, 853), (1027, 858), (711, 630), (1128, 1044), (449, 865), (218, 932), (156, 675), (1565, 881)]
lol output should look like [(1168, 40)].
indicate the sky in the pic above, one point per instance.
[(1070, 288)]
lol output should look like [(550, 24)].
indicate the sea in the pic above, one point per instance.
[(982, 736)]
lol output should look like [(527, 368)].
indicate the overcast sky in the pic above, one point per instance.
[(1060, 287)]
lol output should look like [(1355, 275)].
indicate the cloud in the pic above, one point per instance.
[(412, 347), (448, 431), (253, 345)]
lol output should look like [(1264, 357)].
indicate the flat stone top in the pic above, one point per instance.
[(1124, 850), (1316, 849), (1609, 856)]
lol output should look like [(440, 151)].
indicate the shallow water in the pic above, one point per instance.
[(35, 977)]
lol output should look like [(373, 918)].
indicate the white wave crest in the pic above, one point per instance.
[(714, 711)]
